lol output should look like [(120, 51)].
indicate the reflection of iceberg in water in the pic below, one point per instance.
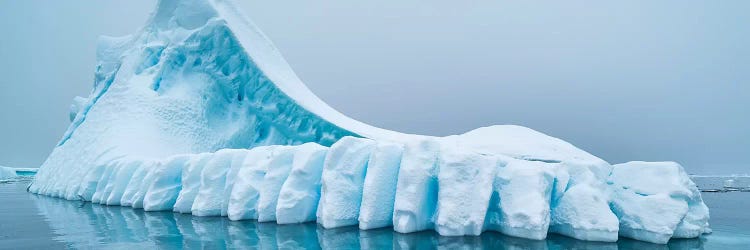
[(83, 225)]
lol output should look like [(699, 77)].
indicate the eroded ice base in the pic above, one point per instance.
[(419, 186)]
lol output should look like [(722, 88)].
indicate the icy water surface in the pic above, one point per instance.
[(29, 221)]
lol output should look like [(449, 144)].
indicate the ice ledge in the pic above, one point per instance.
[(453, 191)]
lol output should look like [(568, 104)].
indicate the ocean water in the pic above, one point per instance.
[(29, 221)]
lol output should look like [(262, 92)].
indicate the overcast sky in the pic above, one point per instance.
[(632, 80)]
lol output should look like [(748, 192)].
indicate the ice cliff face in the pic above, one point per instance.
[(199, 113)]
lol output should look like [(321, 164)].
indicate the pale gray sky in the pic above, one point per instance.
[(635, 80)]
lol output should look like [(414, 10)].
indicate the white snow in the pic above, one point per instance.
[(379, 190), (343, 179), (237, 162), (209, 201), (464, 189), (198, 113), (90, 183), (416, 190), (652, 198), (191, 174), (151, 169), (278, 171), (162, 194), (128, 195), (300, 193), (582, 210), (121, 180), (520, 204), (106, 183), (243, 200)]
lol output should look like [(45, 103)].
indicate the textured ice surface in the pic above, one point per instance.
[(416, 190), (300, 193), (210, 199), (343, 179), (108, 182), (121, 179), (652, 198), (162, 194), (90, 182), (465, 186), (278, 170), (197, 112), (379, 190), (130, 193), (243, 200), (582, 209), (520, 204), (152, 169), (191, 182), (237, 162)]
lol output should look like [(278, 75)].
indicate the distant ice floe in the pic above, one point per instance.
[(722, 183), (7, 173), (199, 113)]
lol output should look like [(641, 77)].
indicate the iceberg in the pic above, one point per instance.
[(198, 112), (658, 205), (7, 173)]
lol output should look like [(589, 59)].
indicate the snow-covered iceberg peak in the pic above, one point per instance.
[(199, 113)]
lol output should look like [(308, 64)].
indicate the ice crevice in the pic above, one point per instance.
[(199, 113)]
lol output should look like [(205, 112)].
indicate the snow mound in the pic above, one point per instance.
[(199, 113)]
